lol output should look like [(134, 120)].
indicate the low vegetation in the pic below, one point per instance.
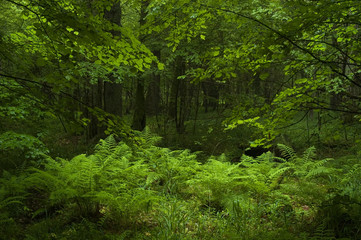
[(147, 192)]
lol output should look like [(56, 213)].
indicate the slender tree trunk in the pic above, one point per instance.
[(113, 101), (139, 117), (211, 95), (182, 115), (197, 108), (93, 127), (153, 93), (178, 95), (113, 91), (173, 100)]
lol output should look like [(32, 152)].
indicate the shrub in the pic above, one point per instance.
[(18, 151)]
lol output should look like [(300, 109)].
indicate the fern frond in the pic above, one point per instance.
[(11, 200), (309, 154), (280, 172), (279, 159), (322, 162), (105, 146), (319, 172), (287, 152), (247, 161), (322, 233), (265, 157), (153, 177), (150, 139), (353, 174)]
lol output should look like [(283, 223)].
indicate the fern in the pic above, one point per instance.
[(309, 154), (215, 181), (287, 152), (111, 177), (280, 171), (318, 168), (6, 203), (12, 204), (150, 139), (351, 183), (322, 233), (129, 184), (305, 166), (266, 157), (105, 147)]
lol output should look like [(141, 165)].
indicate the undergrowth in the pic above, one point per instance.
[(148, 192)]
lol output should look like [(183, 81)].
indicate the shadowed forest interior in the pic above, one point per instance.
[(180, 119)]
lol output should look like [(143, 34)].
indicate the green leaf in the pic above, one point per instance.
[(147, 60), (160, 66), (264, 76), (139, 63)]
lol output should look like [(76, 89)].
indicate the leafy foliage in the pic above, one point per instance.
[(18, 151)]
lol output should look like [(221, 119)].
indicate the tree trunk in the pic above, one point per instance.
[(177, 100), (113, 91), (139, 118), (113, 101), (211, 95), (153, 93)]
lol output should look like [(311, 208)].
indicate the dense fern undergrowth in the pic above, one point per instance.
[(147, 192)]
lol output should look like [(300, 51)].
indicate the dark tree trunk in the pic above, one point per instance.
[(211, 95), (95, 102), (139, 118), (197, 108), (153, 93), (177, 110), (113, 91), (173, 100), (113, 101)]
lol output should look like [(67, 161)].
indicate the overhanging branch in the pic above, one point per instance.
[(287, 38), (45, 86)]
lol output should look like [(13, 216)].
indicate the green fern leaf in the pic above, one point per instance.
[(287, 152), (309, 154)]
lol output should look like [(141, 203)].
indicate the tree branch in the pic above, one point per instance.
[(287, 38), (45, 86)]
